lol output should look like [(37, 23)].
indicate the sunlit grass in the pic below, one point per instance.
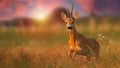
[(56, 57), (47, 48)]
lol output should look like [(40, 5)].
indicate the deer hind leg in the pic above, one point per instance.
[(85, 52), (97, 50), (88, 58)]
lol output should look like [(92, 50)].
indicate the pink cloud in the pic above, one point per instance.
[(87, 5), (20, 9), (3, 3), (22, 6), (50, 3)]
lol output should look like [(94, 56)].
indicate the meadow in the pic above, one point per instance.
[(46, 47)]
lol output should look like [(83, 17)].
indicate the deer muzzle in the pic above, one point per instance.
[(70, 27)]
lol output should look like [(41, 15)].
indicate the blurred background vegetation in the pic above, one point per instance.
[(25, 31)]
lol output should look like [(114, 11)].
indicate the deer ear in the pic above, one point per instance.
[(63, 15), (76, 15)]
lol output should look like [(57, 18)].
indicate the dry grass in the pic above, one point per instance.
[(47, 48), (56, 57)]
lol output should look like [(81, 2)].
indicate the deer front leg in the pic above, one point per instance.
[(72, 53)]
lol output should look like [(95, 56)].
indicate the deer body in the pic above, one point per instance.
[(78, 43)]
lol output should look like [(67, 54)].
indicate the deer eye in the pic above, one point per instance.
[(65, 22)]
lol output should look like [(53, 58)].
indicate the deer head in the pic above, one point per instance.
[(69, 21)]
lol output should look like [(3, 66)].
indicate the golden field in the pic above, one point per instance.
[(46, 47)]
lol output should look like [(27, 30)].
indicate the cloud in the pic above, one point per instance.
[(87, 5), (100, 6), (107, 6), (25, 7)]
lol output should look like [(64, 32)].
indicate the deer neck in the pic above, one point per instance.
[(73, 41), (73, 34)]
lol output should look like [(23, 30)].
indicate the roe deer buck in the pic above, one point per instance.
[(79, 44)]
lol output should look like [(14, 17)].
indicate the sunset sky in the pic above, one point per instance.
[(31, 8)]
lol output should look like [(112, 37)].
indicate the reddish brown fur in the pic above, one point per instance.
[(79, 44)]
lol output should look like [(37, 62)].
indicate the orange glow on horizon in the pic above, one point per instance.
[(40, 14)]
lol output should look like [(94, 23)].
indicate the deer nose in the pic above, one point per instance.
[(69, 27)]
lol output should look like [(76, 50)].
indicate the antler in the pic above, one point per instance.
[(67, 11), (72, 10)]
